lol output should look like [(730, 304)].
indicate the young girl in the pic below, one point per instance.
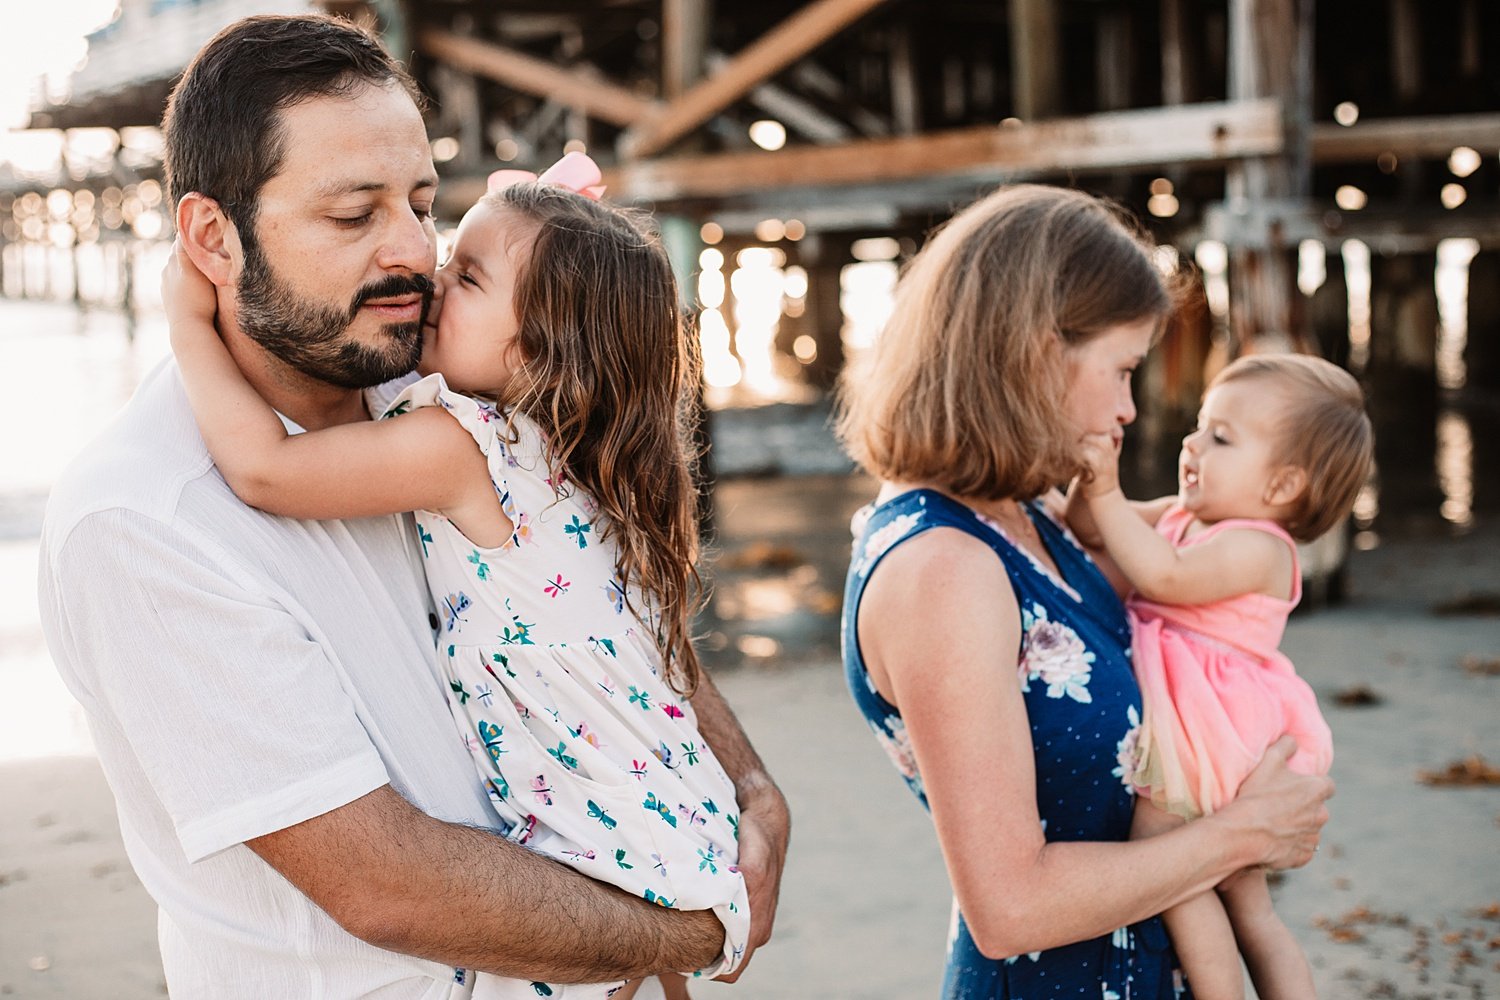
[(1281, 448), (544, 454)]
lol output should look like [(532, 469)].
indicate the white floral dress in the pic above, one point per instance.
[(586, 753)]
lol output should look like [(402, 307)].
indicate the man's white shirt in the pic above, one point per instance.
[(242, 673)]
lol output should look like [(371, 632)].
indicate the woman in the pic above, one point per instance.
[(985, 648)]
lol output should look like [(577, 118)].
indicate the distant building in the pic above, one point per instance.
[(133, 61)]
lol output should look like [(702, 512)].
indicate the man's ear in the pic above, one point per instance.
[(1287, 484), (208, 237)]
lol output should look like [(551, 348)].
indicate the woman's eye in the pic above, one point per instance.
[(353, 222), (423, 212)]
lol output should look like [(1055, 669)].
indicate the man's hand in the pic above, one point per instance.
[(765, 827), (190, 299)]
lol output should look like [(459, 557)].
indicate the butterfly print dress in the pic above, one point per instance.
[(556, 686)]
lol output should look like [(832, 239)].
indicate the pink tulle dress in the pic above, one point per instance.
[(1216, 690)]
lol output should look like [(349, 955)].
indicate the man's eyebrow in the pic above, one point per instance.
[(336, 188)]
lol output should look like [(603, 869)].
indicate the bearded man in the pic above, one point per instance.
[(262, 690)]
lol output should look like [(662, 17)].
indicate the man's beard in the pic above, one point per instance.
[(311, 337)]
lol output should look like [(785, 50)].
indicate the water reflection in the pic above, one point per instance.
[(1452, 281), (1357, 282), (1455, 468)]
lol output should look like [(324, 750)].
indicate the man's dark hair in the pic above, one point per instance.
[(223, 122)]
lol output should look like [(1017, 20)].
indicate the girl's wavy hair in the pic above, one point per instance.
[(609, 367)]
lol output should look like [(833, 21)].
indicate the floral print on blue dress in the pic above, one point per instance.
[(1083, 706)]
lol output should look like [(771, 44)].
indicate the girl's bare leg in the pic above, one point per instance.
[(1199, 927), (1277, 966), (675, 987)]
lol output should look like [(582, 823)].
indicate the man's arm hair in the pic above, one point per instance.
[(399, 879), (765, 822)]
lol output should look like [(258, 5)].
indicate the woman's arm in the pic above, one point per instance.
[(419, 461), (947, 656)]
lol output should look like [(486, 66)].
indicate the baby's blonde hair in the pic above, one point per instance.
[(1323, 431)]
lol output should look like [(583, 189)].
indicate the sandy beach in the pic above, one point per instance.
[(1402, 902)]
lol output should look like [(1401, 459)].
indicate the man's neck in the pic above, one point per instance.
[(310, 403)]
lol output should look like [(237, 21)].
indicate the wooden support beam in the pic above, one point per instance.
[(787, 107), (596, 97), (1035, 59), (1175, 53), (1201, 133), (1431, 137), (1264, 46), (684, 43), (782, 45)]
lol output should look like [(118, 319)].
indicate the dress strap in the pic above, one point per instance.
[(1262, 525)]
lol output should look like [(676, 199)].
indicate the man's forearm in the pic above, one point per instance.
[(467, 898), (722, 731)]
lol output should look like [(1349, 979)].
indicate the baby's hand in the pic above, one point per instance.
[(1101, 459), (189, 297)]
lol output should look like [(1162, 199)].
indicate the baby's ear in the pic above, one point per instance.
[(1287, 484), (208, 237)]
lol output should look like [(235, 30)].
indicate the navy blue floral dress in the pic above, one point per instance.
[(1084, 706)]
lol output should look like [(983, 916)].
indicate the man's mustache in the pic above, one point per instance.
[(392, 286)]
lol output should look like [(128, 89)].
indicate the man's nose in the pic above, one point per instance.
[(410, 244)]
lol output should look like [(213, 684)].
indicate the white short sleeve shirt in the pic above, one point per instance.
[(242, 673)]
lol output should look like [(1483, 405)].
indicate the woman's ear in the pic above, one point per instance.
[(208, 237), (1286, 485)]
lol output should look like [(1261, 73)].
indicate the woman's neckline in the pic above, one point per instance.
[(1033, 546)]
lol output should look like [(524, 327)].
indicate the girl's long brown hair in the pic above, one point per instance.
[(610, 370)]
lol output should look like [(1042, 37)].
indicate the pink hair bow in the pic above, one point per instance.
[(575, 172)]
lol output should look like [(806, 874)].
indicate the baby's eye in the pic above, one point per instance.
[(468, 279), (1220, 438)]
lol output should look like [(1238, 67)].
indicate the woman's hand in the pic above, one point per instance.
[(1285, 809), (190, 299)]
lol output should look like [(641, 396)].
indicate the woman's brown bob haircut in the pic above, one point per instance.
[(965, 388), (1323, 430), (608, 367)]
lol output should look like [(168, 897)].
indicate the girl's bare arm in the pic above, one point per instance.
[(423, 460)]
